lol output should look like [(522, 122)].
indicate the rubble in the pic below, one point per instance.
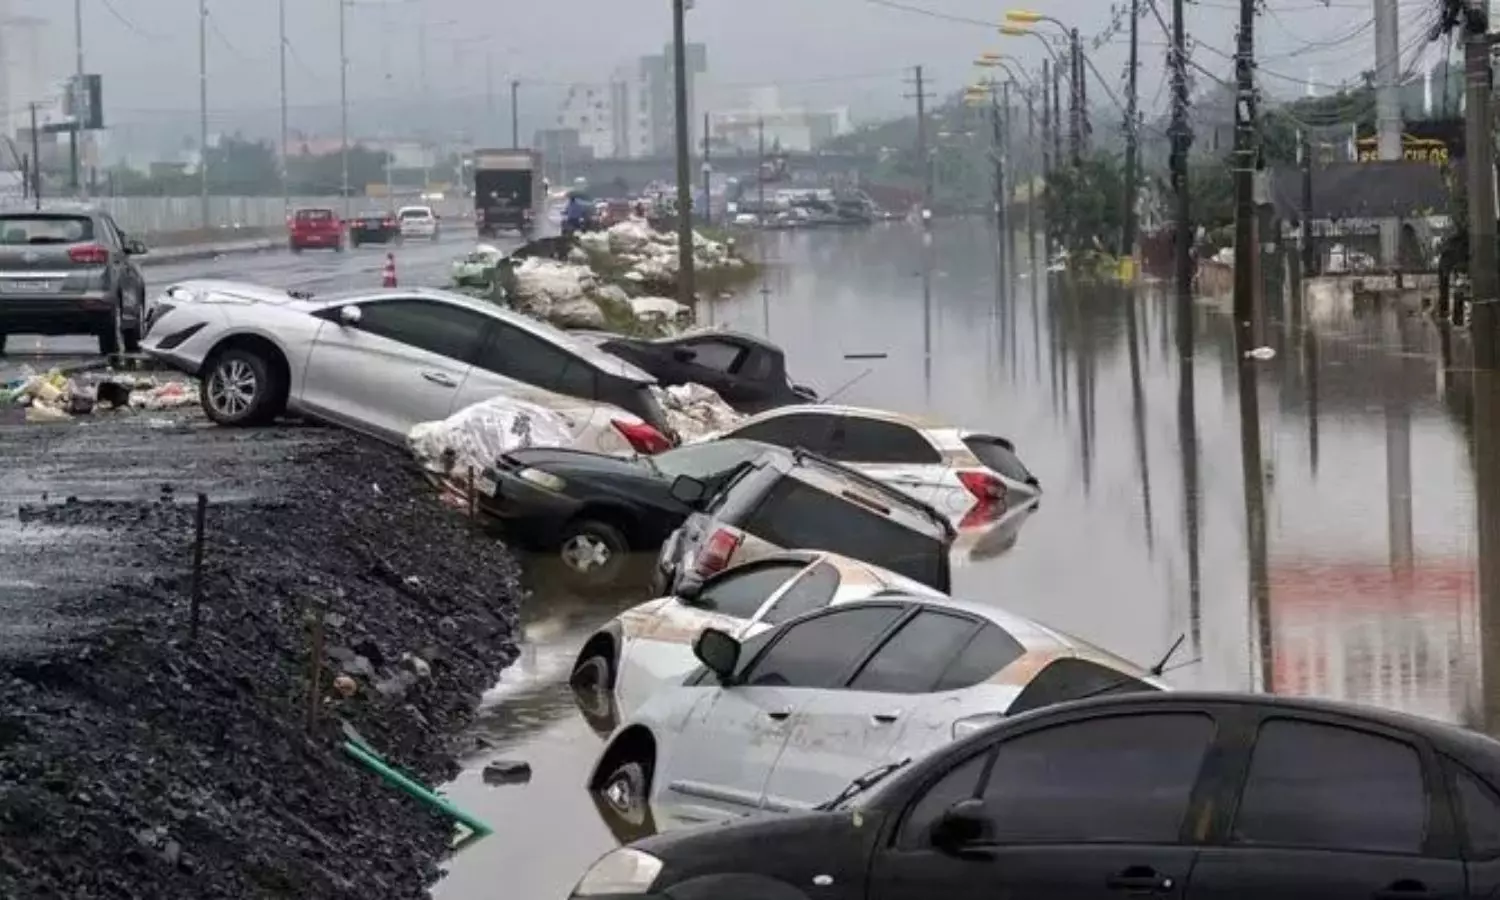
[(695, 411), (58, 397), (647, 256)]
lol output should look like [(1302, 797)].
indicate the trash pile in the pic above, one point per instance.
[(648, 256), (477, 268), (58, 397), (566, 294), (695, 411), (476, 436)]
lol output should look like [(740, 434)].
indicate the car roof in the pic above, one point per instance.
[(921, 423), (245, 289), (810, 466), (740, 336), (53, 208), (599, 359)]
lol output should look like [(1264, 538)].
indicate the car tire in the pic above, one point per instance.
[(239, 388), (626, 791), (593, 684), (3, 336), (108, 332), (592, 552)]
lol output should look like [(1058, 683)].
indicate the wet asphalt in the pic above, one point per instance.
[(1369, 586)]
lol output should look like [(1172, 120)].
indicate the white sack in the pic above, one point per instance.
[(477, 435)]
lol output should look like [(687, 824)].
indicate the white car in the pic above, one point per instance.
[(630, 656), (418, 222), (786, 720), (953, 469), (382, 361)]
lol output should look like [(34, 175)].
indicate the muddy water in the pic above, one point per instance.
[(1368, 572)]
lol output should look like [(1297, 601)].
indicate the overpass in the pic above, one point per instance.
[(636, 173)]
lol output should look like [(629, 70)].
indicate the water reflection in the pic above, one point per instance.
[(1309, 521)]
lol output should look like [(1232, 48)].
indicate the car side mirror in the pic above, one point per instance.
[(719, 652), (689, 491), (961, 827), (684, 355), (350, 315)]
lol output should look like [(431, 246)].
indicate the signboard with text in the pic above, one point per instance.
[(1434, 141)]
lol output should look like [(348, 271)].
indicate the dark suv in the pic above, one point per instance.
[(68, 270)]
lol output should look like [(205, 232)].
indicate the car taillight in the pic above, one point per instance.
[(642, 437), (716, 552), (985, 487), (89, 254), (390, 223)]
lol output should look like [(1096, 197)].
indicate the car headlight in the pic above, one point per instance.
[(542, 479), (622, 871)]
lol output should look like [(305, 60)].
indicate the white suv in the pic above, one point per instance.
[(418, 222)]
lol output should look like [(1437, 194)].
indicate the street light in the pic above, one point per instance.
[(1076, 78)]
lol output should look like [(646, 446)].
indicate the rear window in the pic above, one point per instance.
[(795, 515), (314, 215), (999, 456), (1070, 678), (415, 214), (41, 229)]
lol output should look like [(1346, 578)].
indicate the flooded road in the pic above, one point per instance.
[(1369, 544)]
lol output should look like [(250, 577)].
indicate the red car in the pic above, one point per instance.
[(315, 228)]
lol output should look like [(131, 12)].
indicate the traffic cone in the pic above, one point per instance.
[(388, 274)]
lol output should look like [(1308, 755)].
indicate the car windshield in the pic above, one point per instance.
[(43, 229), (705, 460), (314, 215), (796, 515)]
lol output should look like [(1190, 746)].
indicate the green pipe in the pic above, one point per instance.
[(372, 761)]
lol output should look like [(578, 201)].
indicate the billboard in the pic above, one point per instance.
[(1436, 141), (81, 107)]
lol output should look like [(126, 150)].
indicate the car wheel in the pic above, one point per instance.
[(240, 389), (593, 682), (109, 333), (626, 791), (593, 552), (131, 334)]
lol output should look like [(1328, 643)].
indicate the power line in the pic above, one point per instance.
[(130, 26)]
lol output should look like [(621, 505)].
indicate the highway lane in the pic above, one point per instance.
[(418, 263)]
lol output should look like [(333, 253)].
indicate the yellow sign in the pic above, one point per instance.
[(1413, 149)]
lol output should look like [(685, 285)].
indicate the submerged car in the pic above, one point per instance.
[(784, 720), (747, 371), (631, 655), (593, 509), (792, 499), (954, 469), (382, 361)]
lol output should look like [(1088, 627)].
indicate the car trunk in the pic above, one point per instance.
[(999, 455), (43, 243)]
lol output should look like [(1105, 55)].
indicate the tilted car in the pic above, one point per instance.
[(381, 361), (784, 720), (1168, 795), (791, 499), (954, 469), (747, 371), (69, 269), (631, 655), (594, 509)]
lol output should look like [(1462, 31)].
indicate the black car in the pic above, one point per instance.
[(747, 371), (374, 228), (1164, 795), (593, 509), (69, 269)]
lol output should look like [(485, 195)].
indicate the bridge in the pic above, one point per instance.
[(636, 173)]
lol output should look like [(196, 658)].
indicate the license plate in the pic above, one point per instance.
[(27, 286), (486, 485)]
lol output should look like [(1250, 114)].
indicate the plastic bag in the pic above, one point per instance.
[(477, 435)]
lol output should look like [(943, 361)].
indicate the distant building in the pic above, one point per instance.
[(799, 130), (588, 111), (657, 84), (634, 113)]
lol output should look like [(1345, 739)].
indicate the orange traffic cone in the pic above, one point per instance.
[(388, 274)]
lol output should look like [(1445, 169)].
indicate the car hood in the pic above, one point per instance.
[(581, 462)]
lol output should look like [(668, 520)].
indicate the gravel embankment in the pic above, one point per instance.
[(136, 765)]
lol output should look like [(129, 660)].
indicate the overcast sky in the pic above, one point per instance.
[(822, 51)]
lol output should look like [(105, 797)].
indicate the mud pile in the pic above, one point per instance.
[(137, 764)]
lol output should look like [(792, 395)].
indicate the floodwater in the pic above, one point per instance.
[(1351, 574)]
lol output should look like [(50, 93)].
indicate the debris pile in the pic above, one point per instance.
[(476, 436), (57, 397), (136, 763), (644, 255), (696, 411)]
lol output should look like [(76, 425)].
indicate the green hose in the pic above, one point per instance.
[(371, 760)]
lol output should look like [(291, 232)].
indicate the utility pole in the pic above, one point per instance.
[(1007, 233), (1031, 174), (1132, 151), (685, 292), (1048, 138), (75, 134), (997, 126), (923, 162), (36, 162), (1246, 246), (344, 105), (1075, 100), (1181, 142), (1388, 113), (1057, 154), (286, 190), (1308, 257), (708, 206), (203, 110), (760, 167), (515, 115), (1484, 280)]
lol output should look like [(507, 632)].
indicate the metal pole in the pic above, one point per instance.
[(1132, 153), (1031, 175), (922, 160), (1057, 126), (1083, 93), (1308, 257), (75, 134), (1181, 140), (1007, 235), (344, 105), (1388, 112), (36, 162), (1483, 277), (515, 115), (685, 292), (1075, 101), (286, 190), (425, 132), (760, 169), (708, 207), (997, 129), (1245, 247), (1048, 156), (203, 110)]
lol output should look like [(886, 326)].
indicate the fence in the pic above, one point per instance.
[(165, 215)]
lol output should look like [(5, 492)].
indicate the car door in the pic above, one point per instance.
[(401, 364), (1477, 804), (896, 454), (841, 733), (715, 363), (1095, 807), (1334, 810), (813, 431), (513, 362), (725, 752)]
